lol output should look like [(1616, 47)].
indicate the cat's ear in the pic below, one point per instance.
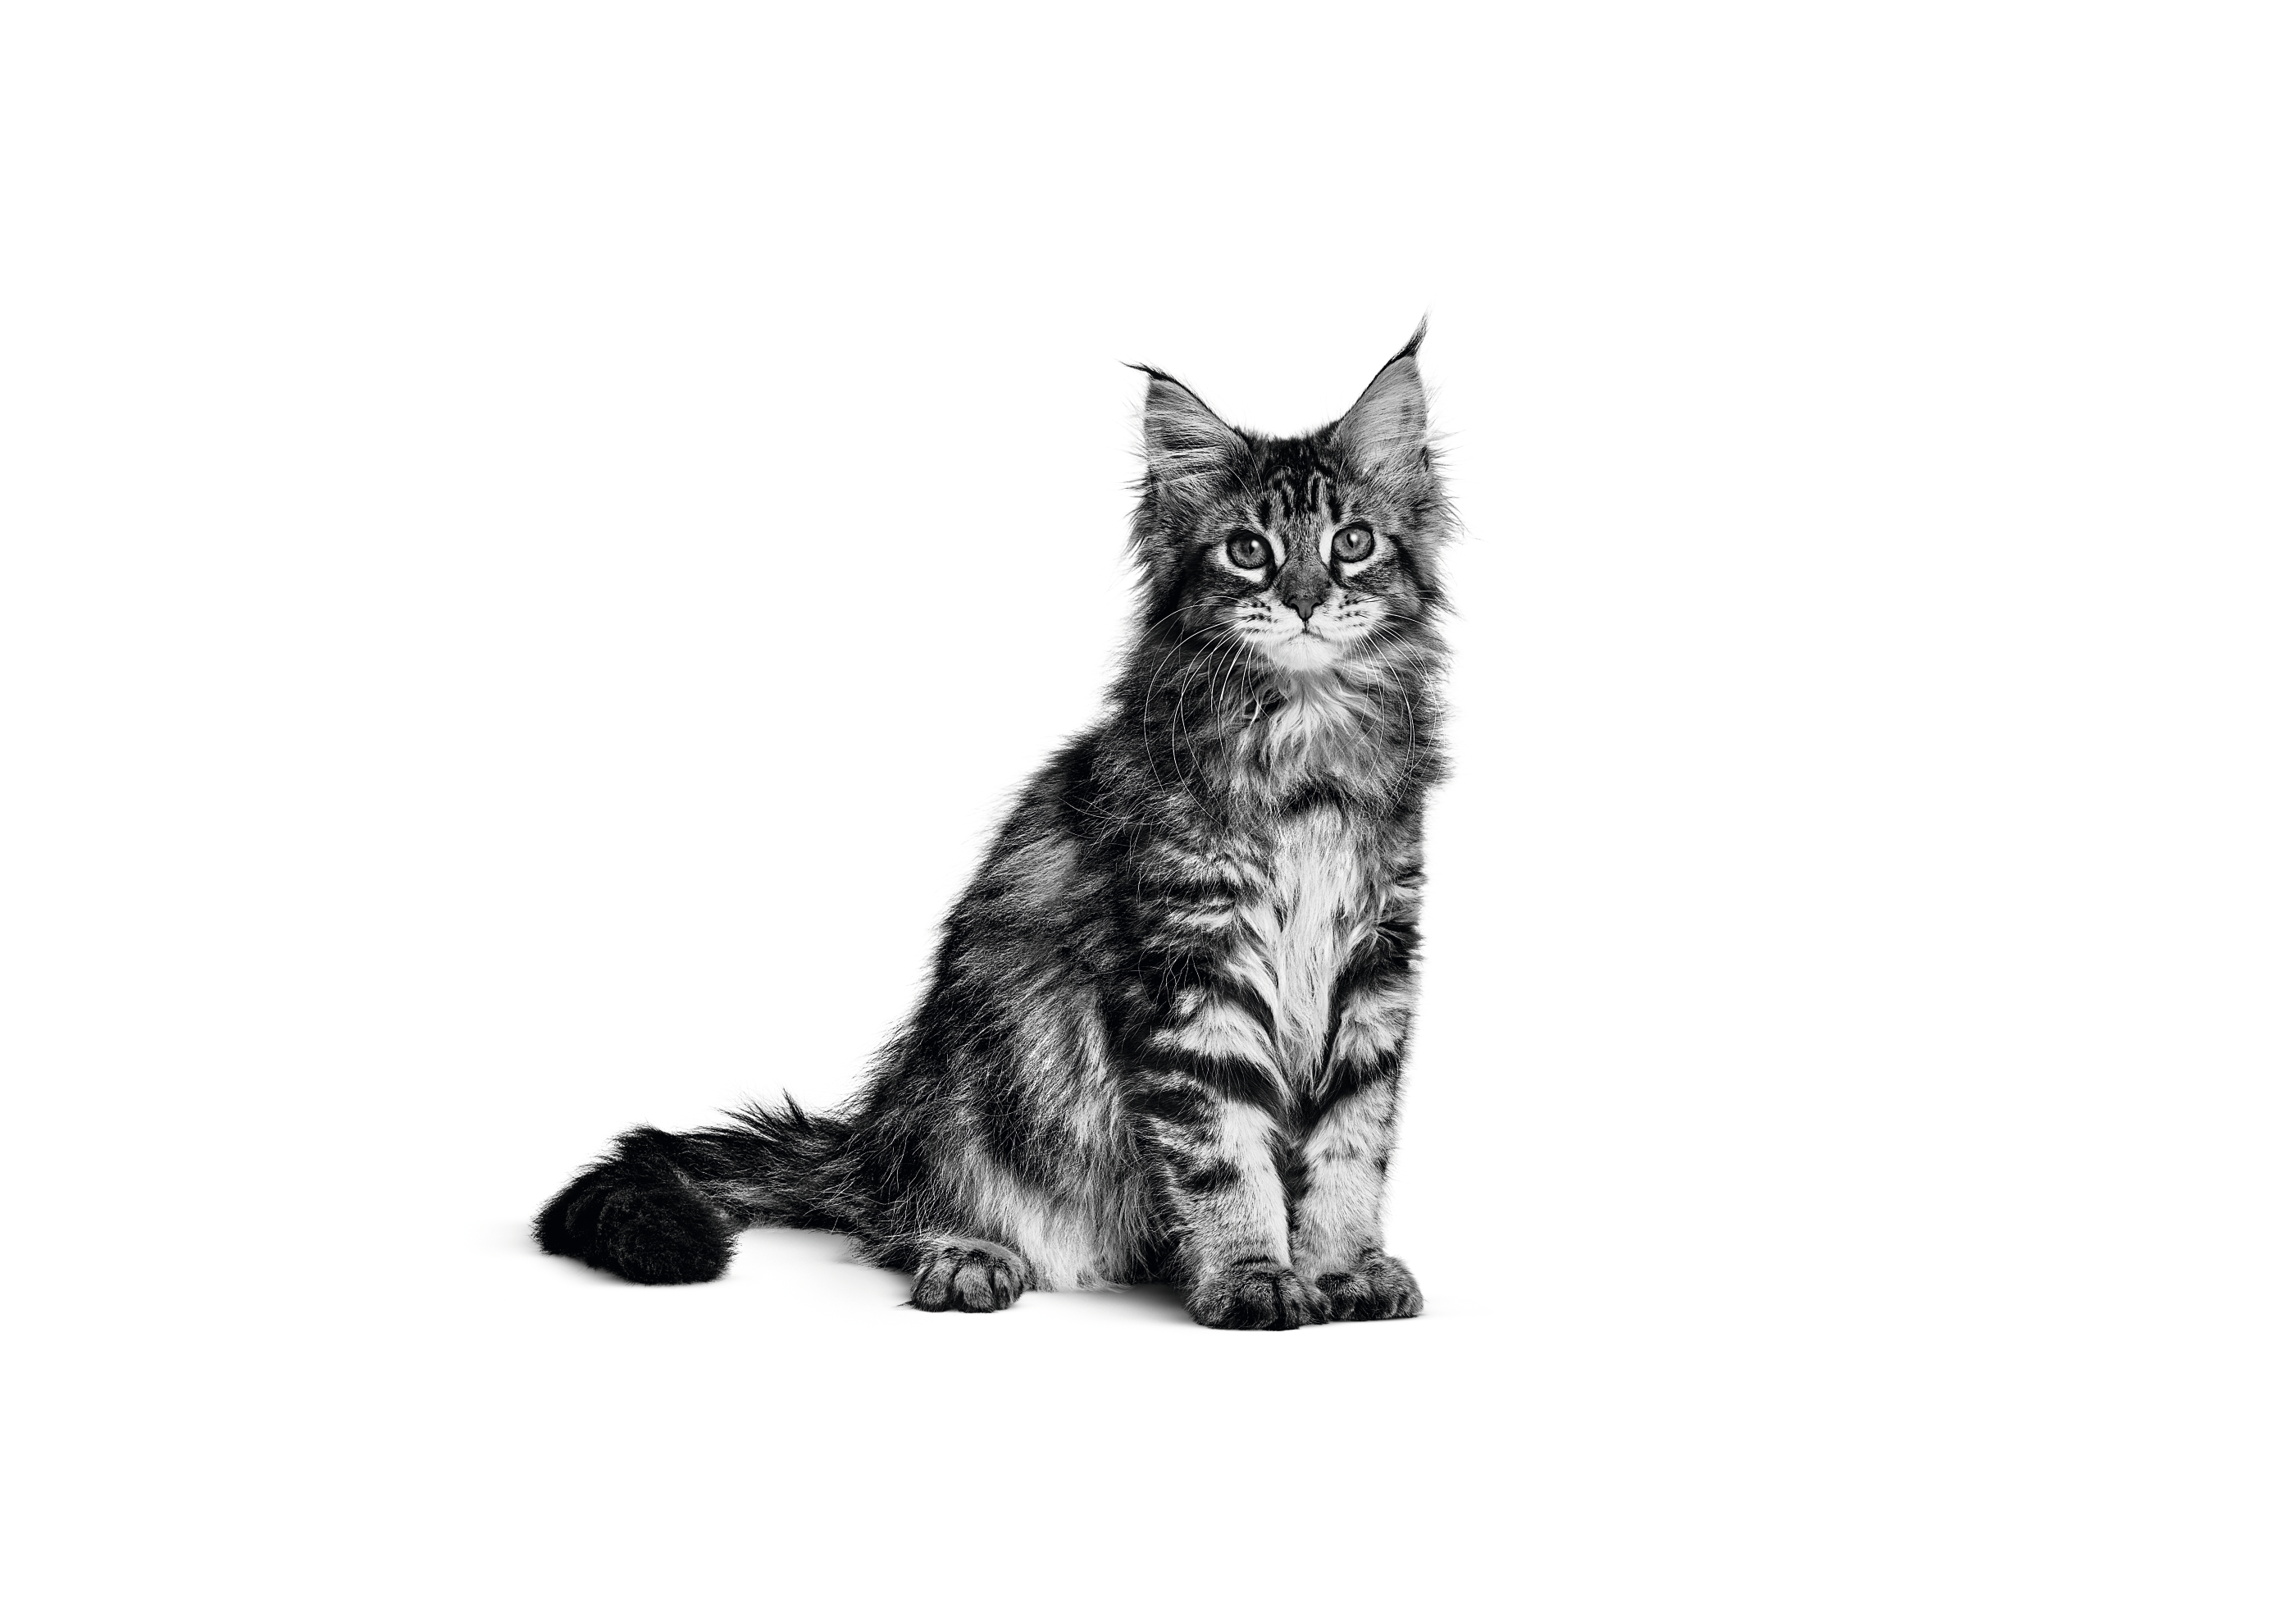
[(1385, 432), (1185, 443)]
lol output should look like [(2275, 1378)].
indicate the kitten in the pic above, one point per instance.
[(1163, 1034)]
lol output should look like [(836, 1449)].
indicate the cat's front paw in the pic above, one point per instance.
[(1378, 1287), (1257, 1296), (971, 1277)]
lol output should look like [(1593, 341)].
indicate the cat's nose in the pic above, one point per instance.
[(1304, 598)]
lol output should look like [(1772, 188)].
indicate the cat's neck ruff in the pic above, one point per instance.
[(1324, 723)]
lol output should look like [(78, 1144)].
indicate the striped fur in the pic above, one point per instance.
[(1164, 1035)]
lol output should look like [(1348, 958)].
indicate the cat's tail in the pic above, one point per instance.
[(663, 1209)]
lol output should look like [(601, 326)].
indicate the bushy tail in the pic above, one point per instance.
[(663, 1209)]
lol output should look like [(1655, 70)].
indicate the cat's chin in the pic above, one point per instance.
[(1302, 652)]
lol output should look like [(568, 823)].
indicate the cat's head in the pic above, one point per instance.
[(1309, 554)]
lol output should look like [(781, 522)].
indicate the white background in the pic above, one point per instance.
[(537, 539)]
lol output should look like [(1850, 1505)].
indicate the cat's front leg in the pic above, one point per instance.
[(1204, 1101), (1217, 1166), (1342, 1155), (1336, 1240)]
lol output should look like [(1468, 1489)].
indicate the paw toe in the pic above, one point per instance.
[(1379, 1288), (1259, 1297), (967, 1279)]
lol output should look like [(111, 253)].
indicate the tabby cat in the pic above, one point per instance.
[(1163, 1034)]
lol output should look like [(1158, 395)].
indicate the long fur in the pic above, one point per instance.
[(1164, 1035)]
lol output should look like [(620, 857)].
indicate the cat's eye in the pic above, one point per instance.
[(1353, 543), (1246, 551)]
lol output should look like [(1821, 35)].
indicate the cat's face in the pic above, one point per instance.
[(1301, 554), (1304, 565)]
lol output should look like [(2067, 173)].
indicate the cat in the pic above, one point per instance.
[(1163, 1036)]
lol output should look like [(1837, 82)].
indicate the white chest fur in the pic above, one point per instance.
[(1300, 926)]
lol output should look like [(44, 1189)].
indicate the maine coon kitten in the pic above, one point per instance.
[(1164, 1035)]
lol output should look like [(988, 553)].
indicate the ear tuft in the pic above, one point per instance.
[(1185, 443), (1385, 432)]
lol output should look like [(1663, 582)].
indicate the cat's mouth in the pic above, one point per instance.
[(1304, 648)]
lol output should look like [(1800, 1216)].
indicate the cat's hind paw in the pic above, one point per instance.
[(1378, 1287), (969, 1277), (1257, 1296)]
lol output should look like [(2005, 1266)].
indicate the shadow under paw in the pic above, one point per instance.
[(1378, 1287), (970, 1277), (1257, 1296)]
